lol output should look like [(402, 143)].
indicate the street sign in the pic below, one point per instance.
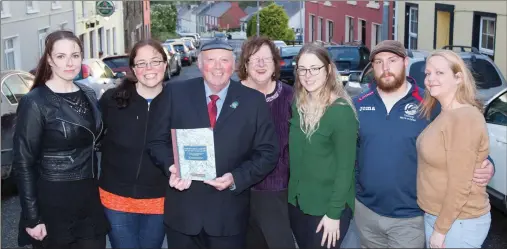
[(104, 8)]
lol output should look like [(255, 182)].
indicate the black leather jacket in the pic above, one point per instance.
[(48, 144)]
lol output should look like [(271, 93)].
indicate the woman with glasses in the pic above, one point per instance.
[(58, 123), (132, 189), (322, 149), (259, 68)]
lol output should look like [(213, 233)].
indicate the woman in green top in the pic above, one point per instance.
[(322, 151)]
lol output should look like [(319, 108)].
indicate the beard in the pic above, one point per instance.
[(388, 85)]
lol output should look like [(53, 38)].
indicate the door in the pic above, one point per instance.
[(496, 118), (444, 22)]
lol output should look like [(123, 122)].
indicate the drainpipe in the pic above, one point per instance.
[(385, 21)]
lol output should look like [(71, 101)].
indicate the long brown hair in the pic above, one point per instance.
[(123, 92), (466, 92), (44, 72), (250, 47), (311, 113)]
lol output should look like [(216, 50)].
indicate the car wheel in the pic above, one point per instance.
[(178, 71), (167, 75)]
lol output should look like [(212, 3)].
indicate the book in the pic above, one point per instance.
[(194, 153)]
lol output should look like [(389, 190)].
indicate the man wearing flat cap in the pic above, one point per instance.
[(214, 213)]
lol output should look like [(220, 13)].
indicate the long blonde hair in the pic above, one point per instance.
[(466, 92), (311, 112)]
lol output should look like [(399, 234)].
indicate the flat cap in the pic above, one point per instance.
[(390, 46), (216, 44)]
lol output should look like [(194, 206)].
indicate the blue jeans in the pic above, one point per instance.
[(467, 233), (131, 230)]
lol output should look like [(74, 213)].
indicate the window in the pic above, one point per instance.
[(14, 88), (55, 5), (496, 112), (31, 7), (376, 34), (114, 41), (349, 29), (42, 33), (5, 9), (10, 53), (352, 2), (487, 39), (101, 39), (319, 29), (311, 28), (108, 41), (329, 33), (412, 28), (485, 74), (92, 43), (373, 4)]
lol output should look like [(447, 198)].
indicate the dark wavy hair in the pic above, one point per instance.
[(43, 72), (250, 47), (124, 90)]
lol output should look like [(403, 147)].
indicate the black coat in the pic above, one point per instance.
[(245, 145)]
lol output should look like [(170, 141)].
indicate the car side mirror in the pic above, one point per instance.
[(354, 77), (120, 75)]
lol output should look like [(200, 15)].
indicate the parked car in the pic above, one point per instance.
[(279, 44), (15, 84), (496, 120), (221, 36), (101, 77), (195, 36), (488, 76), (182, 49), (117, 63), (175, 60), (349, 59), (191, 48), (288, 63)]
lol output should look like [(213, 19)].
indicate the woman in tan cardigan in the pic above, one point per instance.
[(457, 212)]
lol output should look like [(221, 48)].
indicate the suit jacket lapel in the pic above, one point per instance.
[(198, 96), (227, 108)]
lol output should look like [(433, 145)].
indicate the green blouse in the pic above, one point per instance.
[(322, 178)]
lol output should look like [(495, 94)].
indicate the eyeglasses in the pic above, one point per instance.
[(145, 64), (390, 61), (313, 71), (267, 60)]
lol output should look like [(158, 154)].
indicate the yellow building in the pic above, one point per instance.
[(428, 25)]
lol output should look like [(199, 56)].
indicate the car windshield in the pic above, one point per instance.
[(179, 47), (117, 62), (344, 53), (289, 51), (219, 35), (485, 74)]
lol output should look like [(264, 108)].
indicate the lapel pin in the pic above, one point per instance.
[(234, 104)]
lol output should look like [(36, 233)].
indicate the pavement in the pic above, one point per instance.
[(11, 208)]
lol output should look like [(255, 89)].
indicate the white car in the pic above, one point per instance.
[(101, 76), (496, 119)]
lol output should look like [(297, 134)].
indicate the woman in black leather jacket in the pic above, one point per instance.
[(58, 123)]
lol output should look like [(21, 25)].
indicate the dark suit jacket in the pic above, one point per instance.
[(245, 145)]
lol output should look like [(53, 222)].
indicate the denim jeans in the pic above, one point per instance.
[(466, 233), (131, 230)]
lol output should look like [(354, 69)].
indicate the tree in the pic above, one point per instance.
[(274, 23), (163, 21)]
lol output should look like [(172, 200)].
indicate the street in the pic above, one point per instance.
[(11, 208)]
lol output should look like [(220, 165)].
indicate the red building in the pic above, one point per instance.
[(346, 21), (146, 19), (224, 15)]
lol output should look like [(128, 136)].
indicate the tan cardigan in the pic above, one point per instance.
[(448, 152)]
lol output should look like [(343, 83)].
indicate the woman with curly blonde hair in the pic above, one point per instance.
[(322, 151)]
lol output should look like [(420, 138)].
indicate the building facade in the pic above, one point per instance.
[(147, 19), (97, 33), (466, 23), (345, 21), (133, 23), (25, 25)]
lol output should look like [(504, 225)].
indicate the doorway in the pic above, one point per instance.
[(444, 25)]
